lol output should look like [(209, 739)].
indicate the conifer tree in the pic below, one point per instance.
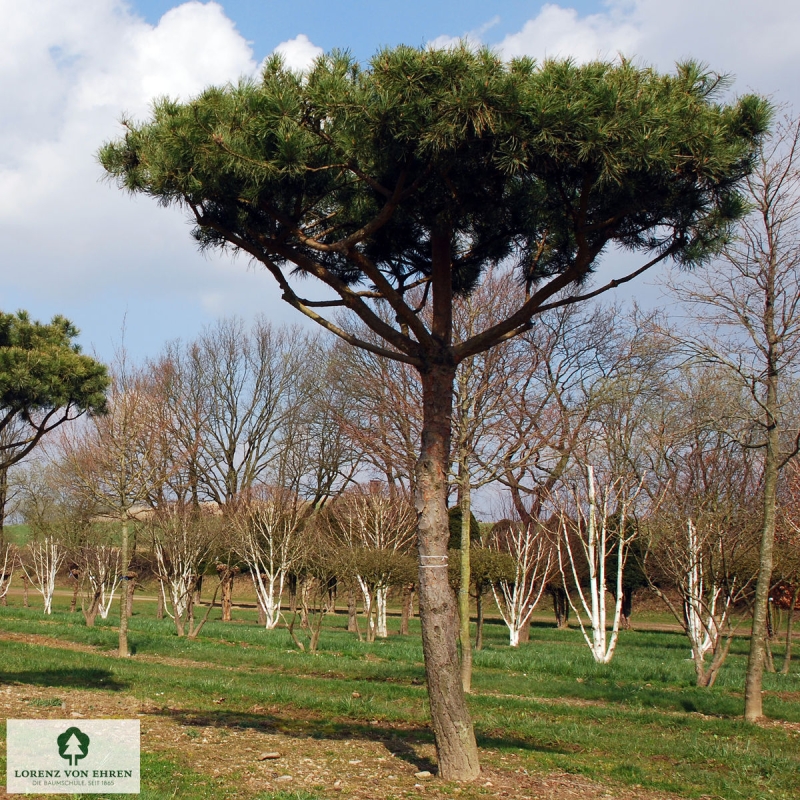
[(415, 173)]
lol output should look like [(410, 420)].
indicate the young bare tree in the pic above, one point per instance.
[(786, 589), (115, 462), (377, 526), (100, 568), (747, 311), (599, 521), (707, 561), (53, 509), (698, 545), (269, 523), (10, 558), (182, 541), (518, 594), (40, 561)]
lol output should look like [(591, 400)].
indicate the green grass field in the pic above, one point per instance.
[(638, 722)]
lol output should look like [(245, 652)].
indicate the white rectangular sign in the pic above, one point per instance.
[(67, 756)]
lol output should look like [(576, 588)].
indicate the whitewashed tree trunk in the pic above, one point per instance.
[(706, 610), (7, 573), (517, 599), (179, 581), (381, 594), (369, 602), (694, 602), (45, 559), (268, 586), (268, 542), (592, 532), (102, 567), (162, 588)]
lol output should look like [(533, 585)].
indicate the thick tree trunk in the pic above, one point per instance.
[(25, 599), (753, 706), (455, 740), (525, 631), (160, 610)]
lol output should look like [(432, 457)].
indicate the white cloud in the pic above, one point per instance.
[(299, 53), (755, 42), (473, 38), (561, 33), (69, 70)]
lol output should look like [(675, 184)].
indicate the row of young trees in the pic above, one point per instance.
[(229, 422)]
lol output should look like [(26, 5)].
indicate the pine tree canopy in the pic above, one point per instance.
[(357, 174), (44, 382)]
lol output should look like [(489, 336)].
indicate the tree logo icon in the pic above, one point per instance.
[(73, 745)]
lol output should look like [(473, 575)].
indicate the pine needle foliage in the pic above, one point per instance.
[(545, 164), (44, 381)]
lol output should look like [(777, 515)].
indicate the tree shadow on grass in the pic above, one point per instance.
[(72, 678), (399, 739)]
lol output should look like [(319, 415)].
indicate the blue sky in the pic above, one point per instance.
[(363, 26), (69, 69)]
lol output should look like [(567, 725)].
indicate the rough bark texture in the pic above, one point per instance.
[(452, 727)]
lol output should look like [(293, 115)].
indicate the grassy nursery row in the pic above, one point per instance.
[(639, 721)]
